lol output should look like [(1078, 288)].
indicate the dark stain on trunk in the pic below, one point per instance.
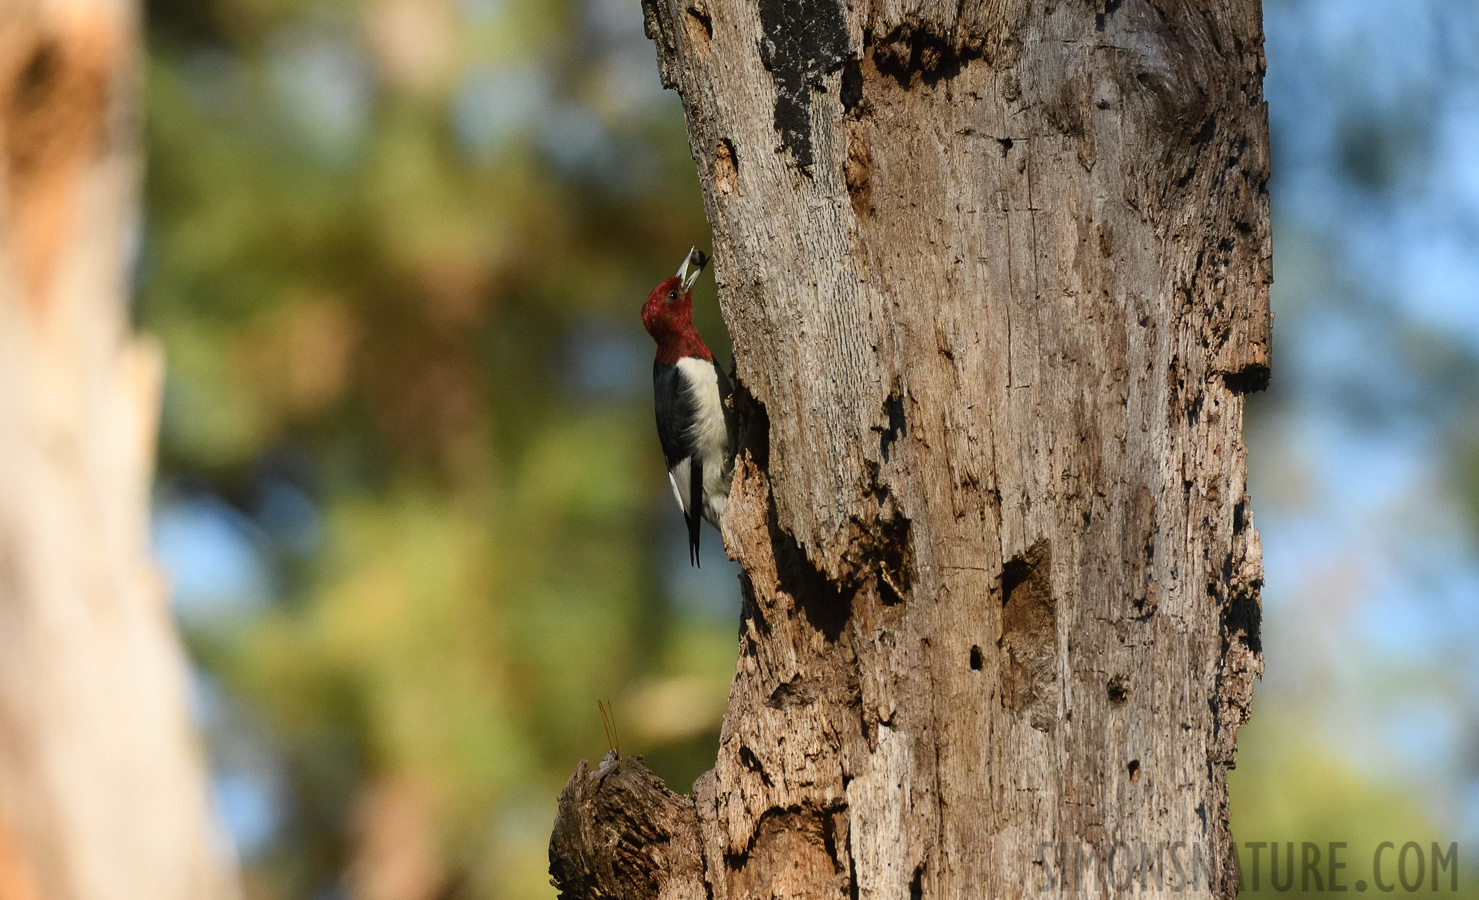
[(803, 41)]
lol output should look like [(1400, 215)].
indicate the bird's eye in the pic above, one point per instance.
[(672, 295)]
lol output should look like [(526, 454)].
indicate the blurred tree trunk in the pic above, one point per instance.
[(102, 789), (997, 277)]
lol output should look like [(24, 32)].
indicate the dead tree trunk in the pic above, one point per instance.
[(997, 278), (102, 791)]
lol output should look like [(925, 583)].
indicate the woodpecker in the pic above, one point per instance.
[(694, 422)]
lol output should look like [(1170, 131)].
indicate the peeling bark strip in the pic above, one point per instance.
[(996, 300)]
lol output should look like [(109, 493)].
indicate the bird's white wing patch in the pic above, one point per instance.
[(678, 475)]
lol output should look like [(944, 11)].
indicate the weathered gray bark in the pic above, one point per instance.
[(102, 792), (996, 274)]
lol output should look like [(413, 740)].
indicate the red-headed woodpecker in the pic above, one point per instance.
[(694, 422)]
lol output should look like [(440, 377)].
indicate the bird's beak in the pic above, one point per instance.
[(693, 265)]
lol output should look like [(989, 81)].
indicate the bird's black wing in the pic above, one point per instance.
[(675, 415), (674, 411)]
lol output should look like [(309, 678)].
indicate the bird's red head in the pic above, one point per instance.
[(668, 313)]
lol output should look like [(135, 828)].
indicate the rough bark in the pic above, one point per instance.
[(996, 274), (102, 791), (621, 833)]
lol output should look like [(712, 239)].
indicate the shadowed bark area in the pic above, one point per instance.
[(102, 787), (997, 278)]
